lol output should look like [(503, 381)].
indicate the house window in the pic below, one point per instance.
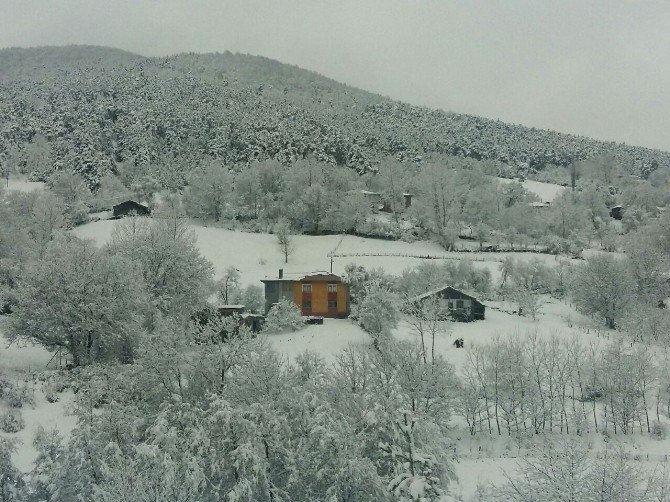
[(450, 305), (307, 305), (332, 288), (459, 304), (306, 288), (332, 304)]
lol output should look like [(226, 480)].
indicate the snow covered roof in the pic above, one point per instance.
[(433, 292), (316, 276)]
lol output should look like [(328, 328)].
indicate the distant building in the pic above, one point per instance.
[(379, 203), (539, 205), (616, 212), (454, 304), (316, 294), (130, 208), (253, 321), (228, 310)]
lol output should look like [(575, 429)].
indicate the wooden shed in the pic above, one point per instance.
[(616, 212), (130, 208)]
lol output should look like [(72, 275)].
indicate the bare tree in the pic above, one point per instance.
[(229, 284), (284, 239), (603, 286), (427, 321)]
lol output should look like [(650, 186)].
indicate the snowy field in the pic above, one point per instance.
[(25, 365), (257, 255), (334, 335), (22, 185), (479, 462), (547, 192)]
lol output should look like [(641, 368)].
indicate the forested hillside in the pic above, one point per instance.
[(94, 110)]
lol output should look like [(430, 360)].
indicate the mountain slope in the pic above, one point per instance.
[(93, 109)]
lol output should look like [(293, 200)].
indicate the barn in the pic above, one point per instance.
[(317, 294), (130, 208), (454, 304)]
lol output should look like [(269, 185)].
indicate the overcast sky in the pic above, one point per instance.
[(598, 68)]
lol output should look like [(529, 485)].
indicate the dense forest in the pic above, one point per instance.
[(94, 111)]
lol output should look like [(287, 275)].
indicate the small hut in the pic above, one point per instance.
[(454, 304), (130, 208), (616, 212)]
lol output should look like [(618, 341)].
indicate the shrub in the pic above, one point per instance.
[(49, 390), (659, 431), (18, 396), (51, 396), (5, 386), (283, 316), (12, 421)]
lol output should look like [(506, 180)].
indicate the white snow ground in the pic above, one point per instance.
[(257, 256), (21, 184), (21, 365), (547, 192)]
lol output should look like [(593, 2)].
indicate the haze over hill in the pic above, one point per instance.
[(89, 109)]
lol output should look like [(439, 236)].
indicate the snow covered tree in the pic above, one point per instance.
[(251, 297), (529, 301), (229, 285), (48, 217), (208, 192), (285, 240), (177, 277), (12, 485), (80, 299), (111, 191), (76, 197), (418, 475), (379, 312), (427, 321), (603, 286), (568, 472), (283, 316)]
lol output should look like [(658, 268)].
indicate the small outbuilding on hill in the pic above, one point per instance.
[(454, 304), (129, 208)]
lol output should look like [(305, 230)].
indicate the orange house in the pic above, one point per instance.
[(317, 294)]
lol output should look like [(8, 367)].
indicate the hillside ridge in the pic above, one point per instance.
[(96, 107)]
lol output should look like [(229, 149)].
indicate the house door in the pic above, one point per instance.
[(306, 303)]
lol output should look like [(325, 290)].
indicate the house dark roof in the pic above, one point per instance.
[(433, 292)]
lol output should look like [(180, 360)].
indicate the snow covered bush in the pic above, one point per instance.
[(251, 297), (569, 471), (659, 431), (49, 390), (12, 421), (283, 316), (5, 385), (17, 396), (12, 485), (379, 312)]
